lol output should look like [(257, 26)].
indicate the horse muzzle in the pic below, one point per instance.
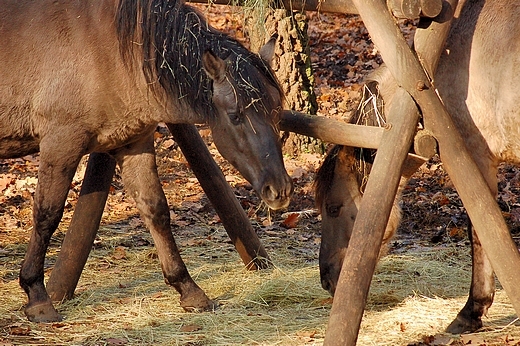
[(277, 196)]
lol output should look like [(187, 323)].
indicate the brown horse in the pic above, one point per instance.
[(474, 79), (98, 75)]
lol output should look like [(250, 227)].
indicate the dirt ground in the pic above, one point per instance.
[(122, 300)]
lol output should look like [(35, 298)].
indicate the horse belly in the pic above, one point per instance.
[(498, 122), (13, 148), (476, 79), (492, 95)]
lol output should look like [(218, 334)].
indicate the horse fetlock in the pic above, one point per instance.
[(469, 319), (42, 312)]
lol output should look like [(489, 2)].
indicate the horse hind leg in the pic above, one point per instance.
[(481, 292), (139, 173), (55, 174)]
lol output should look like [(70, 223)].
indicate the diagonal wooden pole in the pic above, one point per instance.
[(233, 217)]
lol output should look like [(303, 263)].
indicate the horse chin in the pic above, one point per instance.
[(278, 203)]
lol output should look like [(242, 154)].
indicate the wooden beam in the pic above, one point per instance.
[(331, 130), (361, 257), (372, 218), (473, 189), (333, 6), (233, 217)]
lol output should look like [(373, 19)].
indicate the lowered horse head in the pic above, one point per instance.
[(340, 184), (217, 81)]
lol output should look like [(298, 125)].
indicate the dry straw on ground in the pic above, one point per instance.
[(122, 300)]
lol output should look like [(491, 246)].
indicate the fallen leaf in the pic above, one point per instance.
[(472, 339), (187, 328), (119, 253), (308, 334), (4, 182), (168, 144), (298, 172), (266, 222), (20, 330), (428, 339), (291, 221)]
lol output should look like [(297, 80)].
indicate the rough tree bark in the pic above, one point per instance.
[(292, 65)]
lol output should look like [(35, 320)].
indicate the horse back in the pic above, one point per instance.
[(61, 68)]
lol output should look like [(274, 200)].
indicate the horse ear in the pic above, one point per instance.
[(267, 50), (214, 66)]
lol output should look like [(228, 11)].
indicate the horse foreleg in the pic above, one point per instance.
[(481, 293), (54, 178), (139, 172)]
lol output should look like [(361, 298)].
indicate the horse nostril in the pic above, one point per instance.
[(326, 285), (270, 193)]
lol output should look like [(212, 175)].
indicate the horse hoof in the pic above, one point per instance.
[(198, 302), (462, 325), (42, 313)]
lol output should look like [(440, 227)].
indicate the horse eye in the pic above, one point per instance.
[(235, 118), (333, 210)]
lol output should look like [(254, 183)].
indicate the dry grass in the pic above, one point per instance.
[(123, 301)]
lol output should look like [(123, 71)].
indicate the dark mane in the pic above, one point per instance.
[(370, 112), (174, 37), (325, 176)]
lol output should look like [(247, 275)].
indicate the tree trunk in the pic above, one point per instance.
[(292, 65)]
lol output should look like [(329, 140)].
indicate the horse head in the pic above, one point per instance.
[(245, 131), (338, 196)]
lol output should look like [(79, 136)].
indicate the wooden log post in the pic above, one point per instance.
[(474, 192), (473, 189), (361, 258), (83, 227), (330, 130), (372, 218), (233, 217)]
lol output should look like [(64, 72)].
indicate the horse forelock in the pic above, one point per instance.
[(173, 37), (249, 75)]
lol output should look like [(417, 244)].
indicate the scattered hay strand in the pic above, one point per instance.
[(122, 300)]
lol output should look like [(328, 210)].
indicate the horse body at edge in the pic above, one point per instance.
[(85, 76), (475, 79)]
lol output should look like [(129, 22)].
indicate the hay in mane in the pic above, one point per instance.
[(173, 37), (370, 112)]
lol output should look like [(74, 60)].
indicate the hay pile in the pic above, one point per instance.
[(122, 300)]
